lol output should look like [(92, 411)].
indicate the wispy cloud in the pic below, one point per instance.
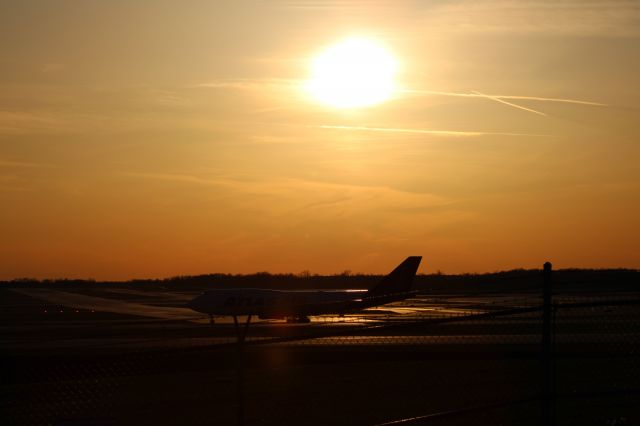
[(14, 177), (608, 18), (52, 67), (179, 177), (249, 84), (12, 183), (340, 5), (17, 122), (291, 196), (452, 133), (42, 121), (260, 216), (22, 164)]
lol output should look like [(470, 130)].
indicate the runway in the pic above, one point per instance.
[(134, 354), (128, 319), (102, 304)]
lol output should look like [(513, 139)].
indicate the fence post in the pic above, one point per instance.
[(548, 396), (240, 369)]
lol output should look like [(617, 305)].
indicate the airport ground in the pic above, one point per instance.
[(127, 355)]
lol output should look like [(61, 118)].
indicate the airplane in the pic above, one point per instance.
[(297, 305)]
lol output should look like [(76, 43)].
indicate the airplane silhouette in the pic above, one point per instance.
[(297, 306)]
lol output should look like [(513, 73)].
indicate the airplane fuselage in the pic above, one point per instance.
[(280, 304), (267, 303)]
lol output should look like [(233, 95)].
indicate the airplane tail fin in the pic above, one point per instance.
[(399, 280)]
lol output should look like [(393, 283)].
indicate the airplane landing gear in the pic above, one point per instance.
[(302, 319), (241, 333)]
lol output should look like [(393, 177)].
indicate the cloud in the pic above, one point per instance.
[(567, 18), (452, 133), (17, 122), (52, 67), (58, 122), (12, 183), (22, 164), (250, 84), (305, 199)]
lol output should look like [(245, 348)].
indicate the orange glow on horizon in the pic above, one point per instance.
[(233, 137)]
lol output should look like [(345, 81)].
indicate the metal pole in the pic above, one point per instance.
[(548, 397), (239, 371)]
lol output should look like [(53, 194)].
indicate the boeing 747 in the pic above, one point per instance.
[(297, 306)]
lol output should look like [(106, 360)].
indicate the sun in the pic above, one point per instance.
[(354, 73)]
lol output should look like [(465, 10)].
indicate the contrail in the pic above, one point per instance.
[(502, 101), (567, 101), (525, 98), (247, 84), (424, 131)]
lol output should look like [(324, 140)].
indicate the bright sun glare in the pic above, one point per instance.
[(355, 73)]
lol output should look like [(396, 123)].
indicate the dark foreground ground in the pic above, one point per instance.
[(298, 386), (134, 355)]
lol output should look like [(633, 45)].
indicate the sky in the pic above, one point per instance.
[(158, 138)]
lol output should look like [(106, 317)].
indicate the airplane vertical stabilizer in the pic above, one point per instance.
[(399, 280)]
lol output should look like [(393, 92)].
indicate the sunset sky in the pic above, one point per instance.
[(158, 138)]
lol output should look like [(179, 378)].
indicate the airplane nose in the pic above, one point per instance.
[(195, 303)]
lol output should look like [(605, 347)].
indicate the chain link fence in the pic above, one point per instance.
[(445, 359)]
